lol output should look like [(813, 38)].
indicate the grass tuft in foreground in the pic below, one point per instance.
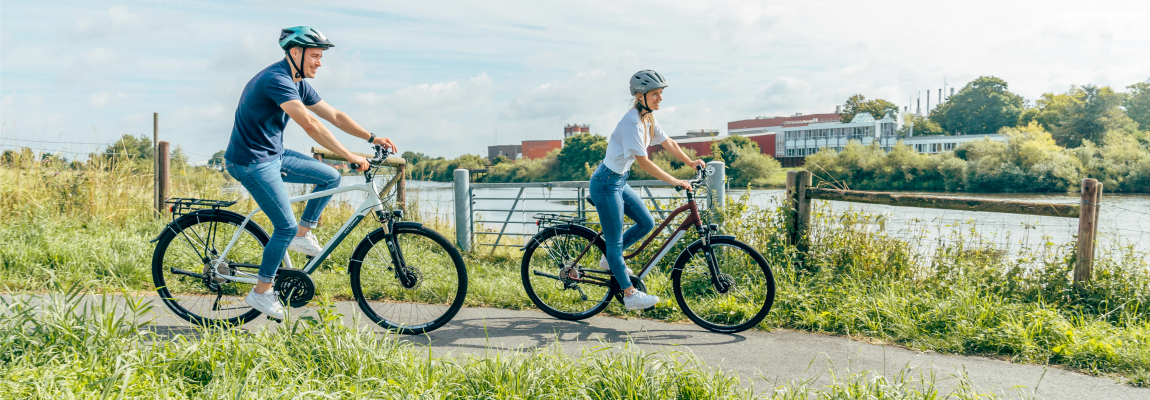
[(72, 345)]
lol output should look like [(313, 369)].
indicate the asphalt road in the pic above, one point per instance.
[(765, 359)]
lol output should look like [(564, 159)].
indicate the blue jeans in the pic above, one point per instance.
[(613, 199), (265, 183)]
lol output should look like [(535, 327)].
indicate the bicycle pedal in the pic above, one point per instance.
[(274, 319)]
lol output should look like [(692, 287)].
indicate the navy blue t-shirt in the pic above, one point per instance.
[(257, 135)]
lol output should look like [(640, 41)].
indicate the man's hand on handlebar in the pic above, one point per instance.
[(387, 143), (358, 162)]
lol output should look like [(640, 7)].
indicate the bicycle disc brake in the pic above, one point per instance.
[(294, 286)]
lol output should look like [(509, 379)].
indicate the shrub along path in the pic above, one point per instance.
[(765, 359)]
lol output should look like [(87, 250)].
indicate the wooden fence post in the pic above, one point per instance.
[(317, 157), (790, 218), (1087, 229), (163, 171), (156, 203), (803, 210), (401, 187)]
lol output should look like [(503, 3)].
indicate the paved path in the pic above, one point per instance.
[(764, 358)]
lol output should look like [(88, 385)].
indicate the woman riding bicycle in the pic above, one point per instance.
[(256, 157), (612, 196)]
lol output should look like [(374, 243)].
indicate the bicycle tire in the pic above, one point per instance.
[(198, 234), (743, 305), (561, 244), (425, 306)]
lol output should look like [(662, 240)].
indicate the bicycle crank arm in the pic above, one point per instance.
[(187, 273), (546, 275)]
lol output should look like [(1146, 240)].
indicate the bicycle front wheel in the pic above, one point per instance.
[(548, 260), (417, 297), (741, 296)]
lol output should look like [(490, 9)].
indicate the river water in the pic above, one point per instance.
[(1124, 219)]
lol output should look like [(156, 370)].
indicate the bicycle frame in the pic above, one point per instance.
[(371, 203), (693, 219)]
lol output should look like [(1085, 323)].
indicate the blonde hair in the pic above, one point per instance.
[(648, 118)]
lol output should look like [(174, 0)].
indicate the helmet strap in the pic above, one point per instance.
[(643, 109), (299, 68)]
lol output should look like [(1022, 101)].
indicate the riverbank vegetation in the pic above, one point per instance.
[(1087, 132), (581, 154), (965, 296)]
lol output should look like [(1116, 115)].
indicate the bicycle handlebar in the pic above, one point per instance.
[(381, 154), (700, 178)]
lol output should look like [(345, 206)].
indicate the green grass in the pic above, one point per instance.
[(964, 299), (67, 345)]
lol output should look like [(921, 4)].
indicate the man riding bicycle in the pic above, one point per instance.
[(256, 157)]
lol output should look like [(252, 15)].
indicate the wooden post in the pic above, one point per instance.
[(156, 202), (790, 216), (162, 173), (1087, 229), (401, 187), (803, 210)]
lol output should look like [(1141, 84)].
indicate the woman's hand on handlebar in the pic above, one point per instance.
[(698, 163), (681, 184)]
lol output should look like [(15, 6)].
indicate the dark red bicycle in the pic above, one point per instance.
[(720, 283)]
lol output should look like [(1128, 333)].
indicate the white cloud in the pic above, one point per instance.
[(101, 100)]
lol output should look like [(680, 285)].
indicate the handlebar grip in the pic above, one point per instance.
[(678, 188), (355, 166)]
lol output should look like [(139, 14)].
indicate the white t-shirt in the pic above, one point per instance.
[(629, 140)]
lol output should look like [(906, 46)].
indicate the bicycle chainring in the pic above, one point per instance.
[(294, 287)]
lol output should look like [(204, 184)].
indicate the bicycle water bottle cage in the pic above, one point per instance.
[(549, 219), (183, 206)]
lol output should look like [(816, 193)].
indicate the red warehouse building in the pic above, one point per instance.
[(540, 148)]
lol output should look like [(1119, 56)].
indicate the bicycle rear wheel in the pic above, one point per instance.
[(546, 259), (431, 290), (745, 292), (184, 278)]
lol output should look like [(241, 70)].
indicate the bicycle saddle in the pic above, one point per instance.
[(591, 202)]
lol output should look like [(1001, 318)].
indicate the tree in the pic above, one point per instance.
[(129, 146), (923, 126), (217, 160), (179, 160), (413, 157), (1137, 104), (579, 156), (1047, 111), (726, 149), (983, 106), (1091, 112), (877, 108)]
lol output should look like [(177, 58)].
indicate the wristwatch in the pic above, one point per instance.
[(371, 139)]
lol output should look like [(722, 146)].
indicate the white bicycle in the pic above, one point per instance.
[(405, 277)]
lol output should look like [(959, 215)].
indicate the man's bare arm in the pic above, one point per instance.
[(299, 113), (346, 124)]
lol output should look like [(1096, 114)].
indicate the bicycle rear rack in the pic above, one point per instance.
[(549, 219), (183, 206)]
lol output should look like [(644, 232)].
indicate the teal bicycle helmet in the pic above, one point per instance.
[(302, 36)]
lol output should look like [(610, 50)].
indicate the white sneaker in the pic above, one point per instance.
[(640, 301), (305, 244), (604, 265), (267, 303)]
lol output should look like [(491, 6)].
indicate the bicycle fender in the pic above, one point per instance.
[(199, 213), (573, 227), (409, 224)]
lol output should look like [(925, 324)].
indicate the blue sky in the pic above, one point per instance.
[(441, 77)]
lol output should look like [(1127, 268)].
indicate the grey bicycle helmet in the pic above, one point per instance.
[(302, 36), (645, 81)]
